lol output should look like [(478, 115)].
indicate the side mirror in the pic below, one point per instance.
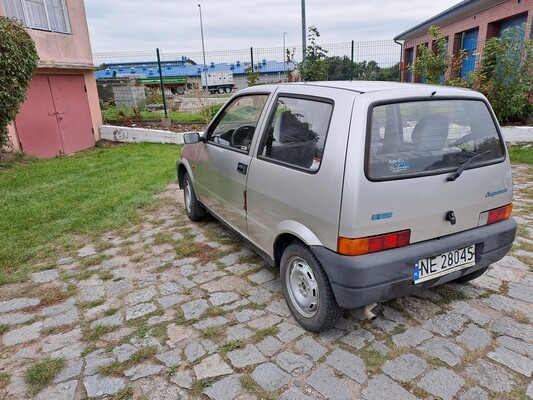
[(191, 137)]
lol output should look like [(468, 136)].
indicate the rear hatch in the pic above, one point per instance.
[(432, 166)]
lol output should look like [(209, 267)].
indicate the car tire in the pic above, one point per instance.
[(472, 276), (307, 289), (220, 90), (195, 210), (227, 90)]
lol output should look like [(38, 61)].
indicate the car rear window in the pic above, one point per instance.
[(418, 138)]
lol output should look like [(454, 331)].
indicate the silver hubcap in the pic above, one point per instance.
[(187, 196), (302, 287)]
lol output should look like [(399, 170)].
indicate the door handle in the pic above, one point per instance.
[(242, 168)]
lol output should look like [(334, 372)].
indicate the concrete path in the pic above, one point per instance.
[(168, 309)]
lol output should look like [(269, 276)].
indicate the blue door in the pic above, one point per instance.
[(512, 23), (470, 45), (410, 58)]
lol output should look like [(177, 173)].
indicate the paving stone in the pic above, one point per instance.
[(521, 292), (442, 382), (56, 342), (22, 335), (65, 261), (517, 346), (292, 363), (462, 307), (510, 327), (393, 315), (241, 358), (405, 368), (230, 259), (112, 252), (119, 287), (212, 367), (246, 315), (384, 324), (124, 352), (259, 296), (97, 386), (487, 282), (87, 251), (26, 353), (117, 335), (288, 332), (142, 371), (476, 393), (170, 358), (171, 300), (211, 323), (208, 267), (380, 348), (62, 391), (331, 335), (194, 309), (504, 273), (140, 310), (501, 303), (158, 319), (225, 389), (530, 390), (67, 318), (95, 360), (209, 346), (169, 288), (262, 276), (44, 276), (152, 232), (325, 383), (358, 338), (221, 298), (265, 322), (238, 333), (294, 394), (182, 379), (419, 309), (178, 333), (269, 346), (115, 262), (411, 337), (510, 261), (58, 308), (381, 387), (446, 324), (188, 270), (515, 361), (311, 348), (280, 308), (141, 296), (474, 337), (490, 376), (444, 350), (235, 305), (16, 318), (240, 269), (71, 370), (194, 351), (18, 304), (351, 365), (270, 377), (204, 277)]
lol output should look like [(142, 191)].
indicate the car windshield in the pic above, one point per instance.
[(427, 137)]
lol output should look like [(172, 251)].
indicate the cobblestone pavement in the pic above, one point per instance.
[(168, 309)]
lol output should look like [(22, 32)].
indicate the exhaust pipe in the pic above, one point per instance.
[(367, 312)]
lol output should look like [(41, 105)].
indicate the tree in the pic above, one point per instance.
[(18, 63), (314, 67), (252, 75), (339, 68), (505, 75), (391, 74), (429, 64)]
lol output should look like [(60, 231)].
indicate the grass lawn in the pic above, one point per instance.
[(44, 201), (521, 153)]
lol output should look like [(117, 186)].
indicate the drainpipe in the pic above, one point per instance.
[(401, 58)]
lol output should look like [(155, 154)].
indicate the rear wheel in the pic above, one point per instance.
[(472, 276), (307, 289), (228, 90), (194, 209), (220, 90)]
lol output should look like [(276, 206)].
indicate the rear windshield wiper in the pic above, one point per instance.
[(464, 164)]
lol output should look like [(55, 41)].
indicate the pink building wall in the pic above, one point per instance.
[(62, 54)]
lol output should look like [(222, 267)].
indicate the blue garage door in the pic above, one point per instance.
[(470, 45), (512, 23), (410, 58)]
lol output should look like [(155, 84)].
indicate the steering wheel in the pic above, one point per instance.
[(240, 134)]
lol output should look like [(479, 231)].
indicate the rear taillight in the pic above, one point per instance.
[(372, 244), (496, 215)]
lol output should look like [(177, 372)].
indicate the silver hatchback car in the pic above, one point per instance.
[(360, 192)]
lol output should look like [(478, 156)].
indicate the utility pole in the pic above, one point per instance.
[(284, 59), (304, 28), (203, 51)]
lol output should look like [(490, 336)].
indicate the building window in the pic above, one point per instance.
[(48, 15)]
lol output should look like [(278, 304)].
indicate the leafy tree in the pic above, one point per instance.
[(366, 70), (391, 74), (315, 66), (252, 75), (339, 68), (505, 76), (18, 63), (429, 64)]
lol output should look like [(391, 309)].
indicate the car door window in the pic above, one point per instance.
[(297, 131), (235, 127)]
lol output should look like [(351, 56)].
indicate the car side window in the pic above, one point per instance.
[(297, 132), (235, 127)]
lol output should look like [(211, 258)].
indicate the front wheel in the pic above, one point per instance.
[(307, 289), (194, 209)]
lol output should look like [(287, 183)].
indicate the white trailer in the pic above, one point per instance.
[(218, 81)]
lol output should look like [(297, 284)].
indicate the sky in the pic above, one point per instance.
[(174, 25)]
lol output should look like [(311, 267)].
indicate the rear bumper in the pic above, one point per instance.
[(361, 280)]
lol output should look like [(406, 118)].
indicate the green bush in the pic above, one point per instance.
[(18, 63)]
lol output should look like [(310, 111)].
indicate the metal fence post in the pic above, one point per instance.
[(352, 63), (252, 57), (162, 84)]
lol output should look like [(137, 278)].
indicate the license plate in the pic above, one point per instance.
[(433, 267)]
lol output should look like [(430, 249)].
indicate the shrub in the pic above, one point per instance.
[(18, 63)]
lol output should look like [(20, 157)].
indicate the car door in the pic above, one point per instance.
[(223, 161)]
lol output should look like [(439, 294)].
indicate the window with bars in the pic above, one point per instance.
[(48, 15)]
